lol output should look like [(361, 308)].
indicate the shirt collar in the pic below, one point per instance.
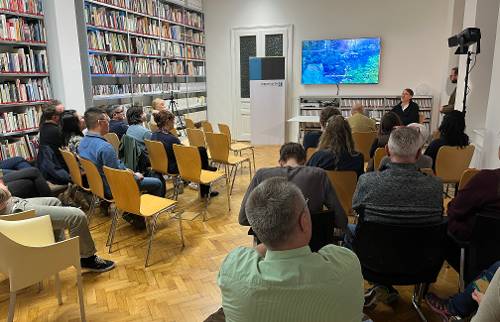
[(94, 134), (287, 254)]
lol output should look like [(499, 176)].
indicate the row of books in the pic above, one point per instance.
[(143, 66), (143, 25), (20, 62), (108, 65), (194, 36), (107, 41), (15, 122), (195, 52), (30, 91), (21, 29), (26, 147), (103, 17), (191, 102), (118, 89), (110, 89), (22, 6), (190, 87), (195, 70)]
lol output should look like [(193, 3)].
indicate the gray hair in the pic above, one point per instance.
[(272, 210), (422, 129), (404, 142)]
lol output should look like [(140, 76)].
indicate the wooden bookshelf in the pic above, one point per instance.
[(24, 76), (138, 50)]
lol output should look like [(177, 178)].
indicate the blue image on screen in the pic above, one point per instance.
[(341, 61)]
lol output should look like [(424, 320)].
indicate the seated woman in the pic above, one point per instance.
[(311, 139), (451, 133), (336, 148), (165, 121), (389, 121), (72, 126), (136, 129)]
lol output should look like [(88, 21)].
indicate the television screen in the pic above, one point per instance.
[(341, 61)]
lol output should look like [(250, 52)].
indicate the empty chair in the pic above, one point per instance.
[(452, 161), (207, 127), (129, 199), (237, 147), (189, 164), (380, 153), (189, 123), (29, 254), (113, 139), (344, 183), (196, 138), (310, 152), (363, 142), (466, 176), (218, 145), (159, 161)]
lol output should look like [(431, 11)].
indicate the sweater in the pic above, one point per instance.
[(325, 159), (409, 115)]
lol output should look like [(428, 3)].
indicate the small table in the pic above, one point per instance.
[(303, 120)]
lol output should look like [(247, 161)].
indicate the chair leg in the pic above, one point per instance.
[(92, 208), (250, 168), (416, 300), (112, 231), (253, 157), (40, 286), (155, 218), (80, 294), (228, 194), (461, 280), (58, 288), (109, 233), (12, 306), (181, 232), (207, 200), (235, 167)]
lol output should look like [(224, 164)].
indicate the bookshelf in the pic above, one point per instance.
[(24, 76), (134, 51)]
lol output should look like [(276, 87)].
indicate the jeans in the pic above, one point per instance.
[(152, 185), (71, 218), (349, 236), (462, 304), (15, 163)]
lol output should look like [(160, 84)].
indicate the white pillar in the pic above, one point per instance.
[(64, 53)]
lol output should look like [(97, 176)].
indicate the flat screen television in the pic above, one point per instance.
[(341, 61)]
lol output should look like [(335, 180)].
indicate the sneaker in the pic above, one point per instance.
[(96, 264), (371, 296), (212, 194), (193, 186), (438, 305), (137, 222)]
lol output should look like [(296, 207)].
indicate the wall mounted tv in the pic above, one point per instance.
[(341, 61)]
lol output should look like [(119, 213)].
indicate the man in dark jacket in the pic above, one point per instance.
[(50, 132), (117, 122)]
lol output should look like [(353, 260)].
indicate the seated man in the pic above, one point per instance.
[(311, 139), (71, 218), (282, 279), (358, 121), (96, 149), (399, 194), (312, 181), (117, 122)]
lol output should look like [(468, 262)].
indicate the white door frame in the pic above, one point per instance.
[(237, 32)]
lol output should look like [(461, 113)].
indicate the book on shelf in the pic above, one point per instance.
[(22, 6), (30, 90), (105, 17), (194, 36), (111, 89), (26, 147), (16, 122), (108, 65), (18, 61), (147, 66), (143, 25), (21, 29), (107, 41), (117, 3), (145, 46), (149, 7), (195, 70)]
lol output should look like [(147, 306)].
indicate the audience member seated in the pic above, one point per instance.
[(388, 123), (451, 133), (50, 132), (117, 122), (62, 218), (165, 121), (399, 194), (136, 129), (55, 103), (312, 181), (158, 105), (96, 149), (26, 183), (407, 110), (336, 148), (464, 304), (359, 122), (281, 279), (424, 161), (72, 126), (311, 139)]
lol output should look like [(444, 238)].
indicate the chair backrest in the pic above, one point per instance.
[(124, 189), (310, 152), (157, 156), (113, 139), (380, 153), (344, 183), (196, 137), (323, 225), (32, 232), (73, 167), (400, 255), (94, 178), (27, 214), (188, 161), (451, 162), (363, 142), (466, 176), (207, 127), (189, 123), (218, 145), (224, 129)]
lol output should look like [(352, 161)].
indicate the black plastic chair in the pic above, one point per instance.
[(482, 250), (401, 255)]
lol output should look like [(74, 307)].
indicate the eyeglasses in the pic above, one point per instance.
[(305, 206), (104, 119), (119, 112)]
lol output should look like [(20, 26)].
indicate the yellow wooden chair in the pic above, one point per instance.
[(189, 164), (74, 168), (380, 153), (218, 144), (29, 254), (452, 161), (113, 139), (196, 138), (159, 162), (344, 183), (234, 146), (207, 127), (310, 152), (466, 176), (128, 198), (189, 123), (363, 142)]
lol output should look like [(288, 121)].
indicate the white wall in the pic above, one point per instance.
[(414, 41), (64, 53)]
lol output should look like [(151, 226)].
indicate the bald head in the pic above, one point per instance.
[(357, 108)]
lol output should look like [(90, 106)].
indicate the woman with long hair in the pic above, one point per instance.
[(451, 133), (389, 122), (336, 148), (72, 126)]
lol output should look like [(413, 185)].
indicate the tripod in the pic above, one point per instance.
[(173, 107)]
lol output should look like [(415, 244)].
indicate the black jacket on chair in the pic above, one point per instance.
[(409, 115)]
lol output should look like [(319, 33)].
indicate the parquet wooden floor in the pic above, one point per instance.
[(180, 284)]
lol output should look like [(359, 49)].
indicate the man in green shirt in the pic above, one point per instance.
[(281, 279)]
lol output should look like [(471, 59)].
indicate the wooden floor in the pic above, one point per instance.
[(180, 285)]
